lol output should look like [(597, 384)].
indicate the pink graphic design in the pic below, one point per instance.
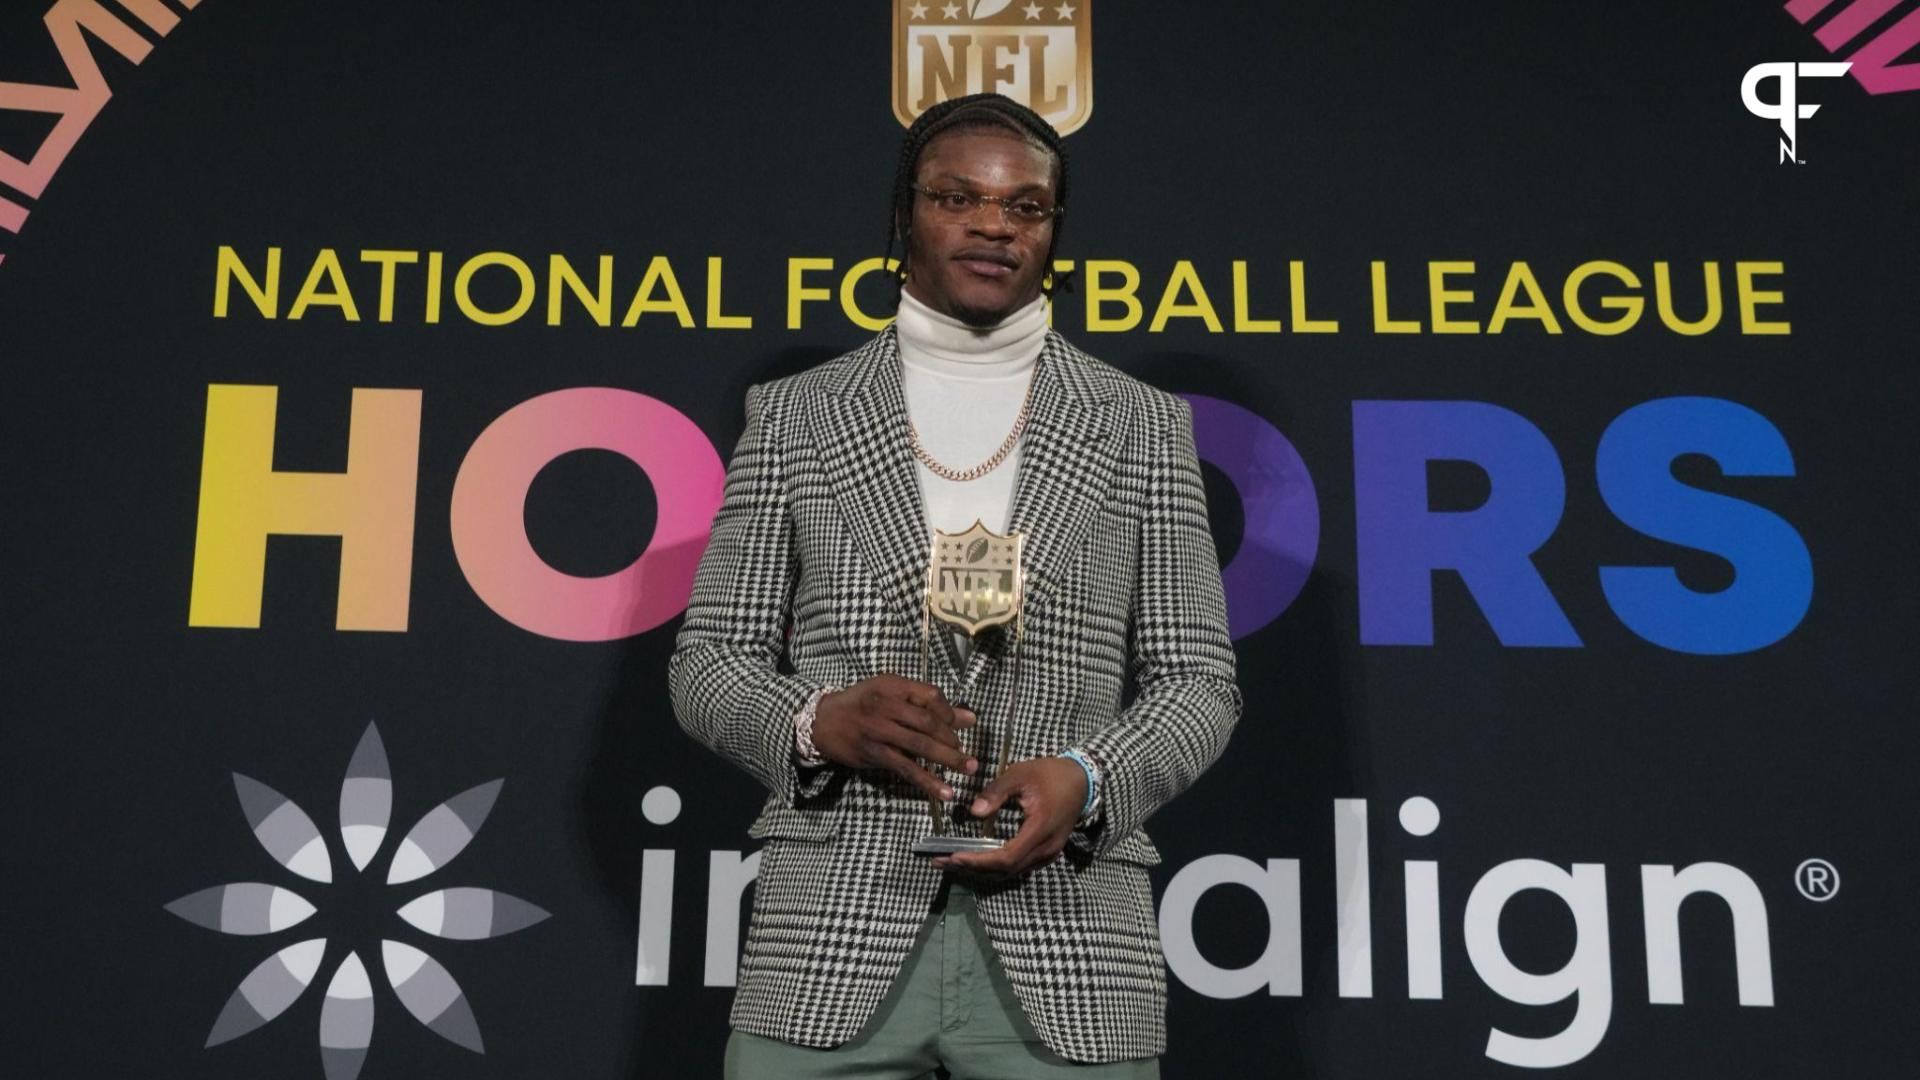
[(489, 513), (1873, 63), (70, 23)]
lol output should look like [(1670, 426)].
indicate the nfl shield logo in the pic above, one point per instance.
[(1037, 54), (974, 579)]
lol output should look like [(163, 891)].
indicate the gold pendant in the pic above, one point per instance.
[(973, 578)]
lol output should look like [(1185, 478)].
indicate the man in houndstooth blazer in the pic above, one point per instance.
[(812, 580)]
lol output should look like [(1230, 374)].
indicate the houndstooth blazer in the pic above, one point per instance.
[(813, 578)]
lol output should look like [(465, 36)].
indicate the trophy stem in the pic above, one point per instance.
[(926, 675), (1013, 706)]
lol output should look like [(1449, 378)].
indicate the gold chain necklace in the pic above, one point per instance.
[(947, 472)]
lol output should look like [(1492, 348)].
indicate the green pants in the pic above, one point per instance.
[(951, 1006)]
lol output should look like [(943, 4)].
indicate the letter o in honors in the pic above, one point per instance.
[(1282, 512), (489, 513)]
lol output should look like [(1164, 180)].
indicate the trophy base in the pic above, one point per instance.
[(956, 845)]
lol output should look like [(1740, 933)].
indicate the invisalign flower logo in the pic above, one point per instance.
[(425, 988)]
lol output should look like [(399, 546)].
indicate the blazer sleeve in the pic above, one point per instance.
[(727, 690), (1181, 657)]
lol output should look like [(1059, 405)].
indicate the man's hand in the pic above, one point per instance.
[(886, 722), (1049, 792)]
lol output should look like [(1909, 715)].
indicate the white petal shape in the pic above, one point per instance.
[(468, 914), (284, 829), (401, 961), (287, 908), (268, 990), (346, 1020), (303, 959), (350, 982), (247, 908), (442, 833), (428, 913), (363, 843), (311, 861), (366, 799), (428, 991), (410, 863)]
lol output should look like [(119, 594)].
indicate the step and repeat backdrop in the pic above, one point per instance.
[(372, 368)]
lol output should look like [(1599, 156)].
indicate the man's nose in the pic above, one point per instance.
[(991, 221)]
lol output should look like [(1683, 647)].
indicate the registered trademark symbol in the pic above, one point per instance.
[(1817, 880)]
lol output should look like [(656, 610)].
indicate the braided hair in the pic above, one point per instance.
[(972, 112)]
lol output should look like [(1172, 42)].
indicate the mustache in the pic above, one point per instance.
[(992, 255)]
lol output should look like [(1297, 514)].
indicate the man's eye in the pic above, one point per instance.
[(1029, 210), (954, 200)]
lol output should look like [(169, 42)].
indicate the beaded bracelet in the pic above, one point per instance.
[(1087, 766)]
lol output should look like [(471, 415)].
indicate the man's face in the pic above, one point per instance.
[(981, 268)]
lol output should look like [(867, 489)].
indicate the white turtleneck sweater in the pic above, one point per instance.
[(964, 387)]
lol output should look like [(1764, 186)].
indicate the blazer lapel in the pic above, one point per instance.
[(861, 432), (1066, 470)]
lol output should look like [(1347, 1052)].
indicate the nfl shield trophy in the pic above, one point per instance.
[(974, 582)]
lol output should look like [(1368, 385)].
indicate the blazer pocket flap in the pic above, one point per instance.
[(1136, 848), (786, 823)]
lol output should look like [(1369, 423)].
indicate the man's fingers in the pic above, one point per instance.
[(1018, 856), (913, 731), (964, 717), (1021, 847), (921, 745), (915, 719), (924, 695), (923, 701), (993, 796), (913, 773), (936, 703), (909, 715)]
